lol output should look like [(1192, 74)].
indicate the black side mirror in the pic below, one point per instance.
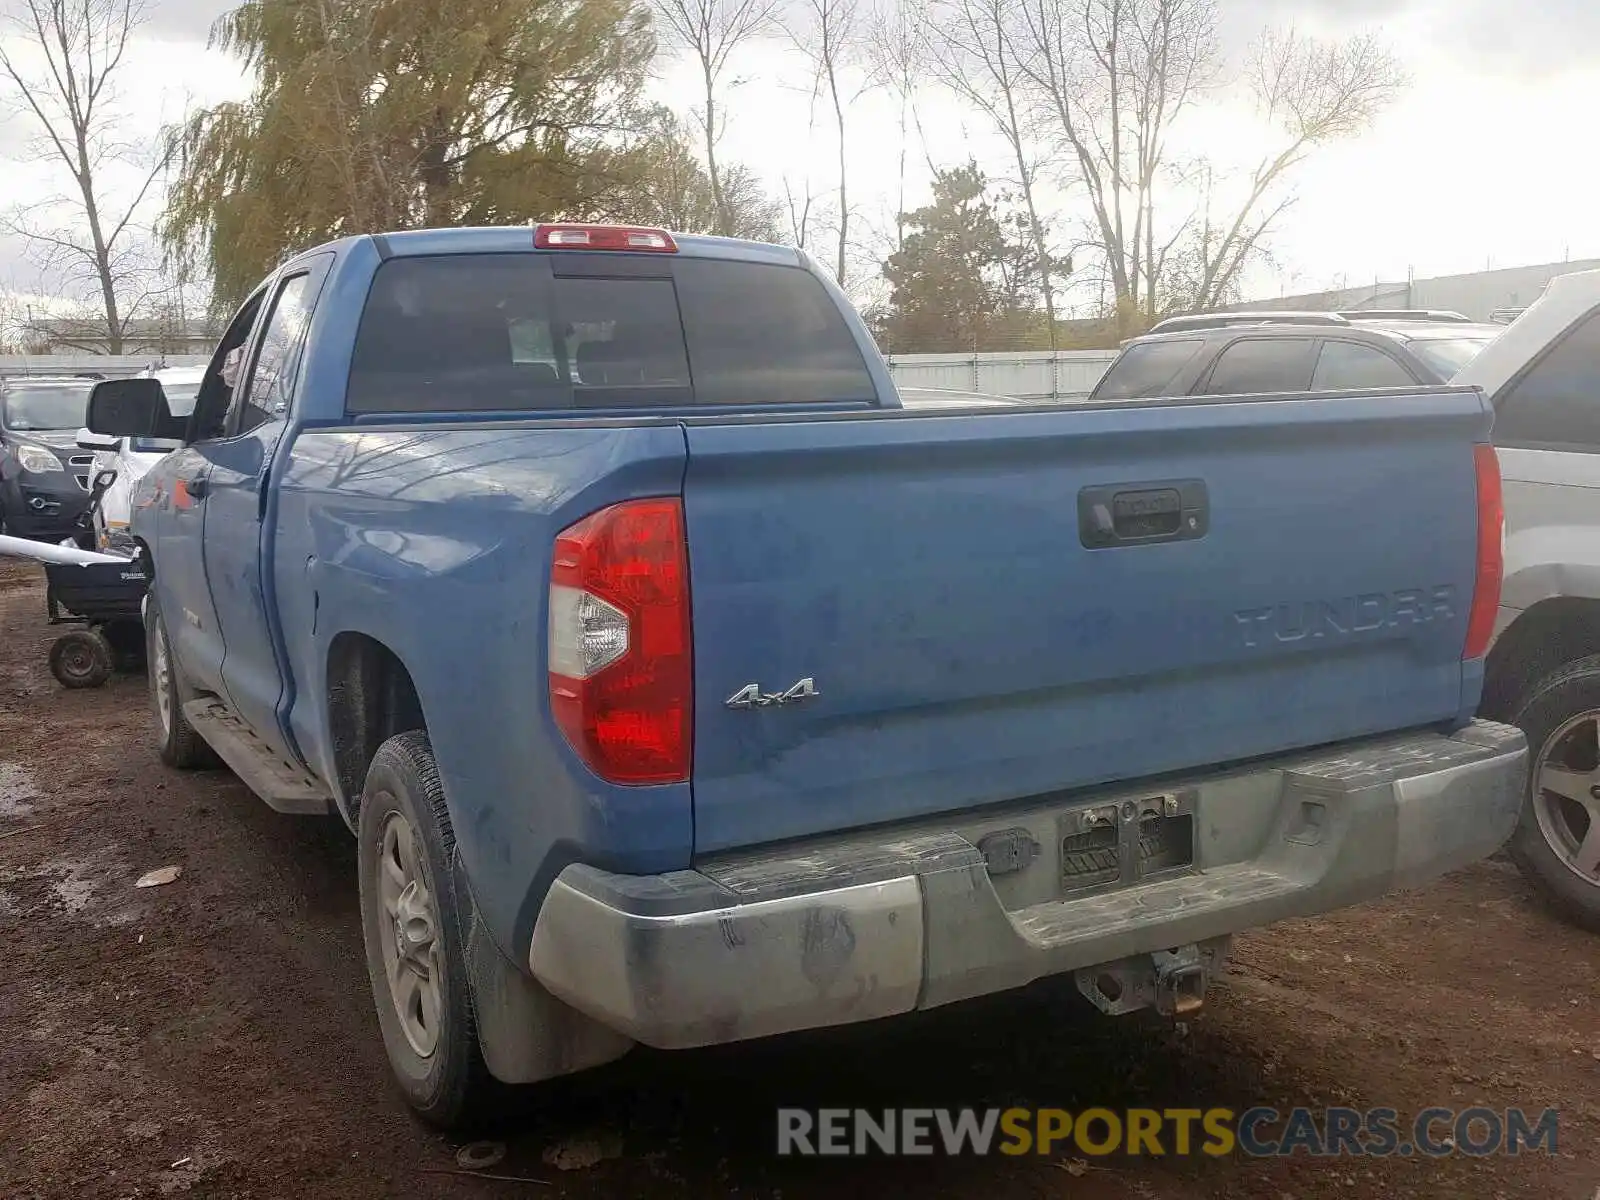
[(133, 408)]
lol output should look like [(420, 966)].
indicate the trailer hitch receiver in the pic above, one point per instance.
[(1173, 982)]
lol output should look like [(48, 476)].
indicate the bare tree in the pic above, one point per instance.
[(801, 203), (65, 75), (830, 38), (972, 54), (1311, 93), (801, 208), (897, 45), (12, 317), (1113, 77), (712, 30)]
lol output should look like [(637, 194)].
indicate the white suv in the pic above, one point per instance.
[(1543, 376)]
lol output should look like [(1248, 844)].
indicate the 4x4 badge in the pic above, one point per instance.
[(751, 695)]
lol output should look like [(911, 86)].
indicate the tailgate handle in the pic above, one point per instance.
[(1138, 514)]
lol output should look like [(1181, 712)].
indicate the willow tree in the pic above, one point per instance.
[(395, 114)]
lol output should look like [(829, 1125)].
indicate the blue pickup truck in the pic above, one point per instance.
[(682, 685)]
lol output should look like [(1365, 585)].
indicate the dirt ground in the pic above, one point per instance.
[(215, 1037)]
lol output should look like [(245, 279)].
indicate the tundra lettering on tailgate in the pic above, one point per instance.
[(1296, 620)]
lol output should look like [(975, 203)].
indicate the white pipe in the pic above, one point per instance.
[(46, 553)]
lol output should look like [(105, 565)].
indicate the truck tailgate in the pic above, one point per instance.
[(970, 640)]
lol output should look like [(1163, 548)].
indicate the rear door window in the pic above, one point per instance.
[(1351, 365), (1257, 365), (1146, 370), (498, 332)]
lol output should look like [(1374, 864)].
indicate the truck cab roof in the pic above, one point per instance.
[(500, 239)]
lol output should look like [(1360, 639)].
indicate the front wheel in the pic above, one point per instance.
[(179, 745), (1557, 842), (409, 921)]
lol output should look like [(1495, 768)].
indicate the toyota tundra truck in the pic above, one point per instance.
[(681, 685)]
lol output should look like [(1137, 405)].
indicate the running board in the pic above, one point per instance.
[(285, 786)]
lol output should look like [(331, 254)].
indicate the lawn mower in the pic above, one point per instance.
[(100, 594)]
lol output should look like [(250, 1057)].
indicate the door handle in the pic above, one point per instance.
[(1138, 514)]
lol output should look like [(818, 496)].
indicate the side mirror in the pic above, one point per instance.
[(120, 408), (88, 439)]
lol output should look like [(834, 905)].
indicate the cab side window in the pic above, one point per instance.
[(1557, 403), (264, 395)]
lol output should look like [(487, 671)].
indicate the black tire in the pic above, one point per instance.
[(446, 1083), (1542, 712), (81, 659), (176, 741)]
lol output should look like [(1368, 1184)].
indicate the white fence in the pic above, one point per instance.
[(98, 364), (1064, 375), (1042, 376)]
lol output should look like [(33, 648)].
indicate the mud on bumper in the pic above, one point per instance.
[(885, 921)]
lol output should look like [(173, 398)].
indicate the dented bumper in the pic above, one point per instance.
[(885, 921)]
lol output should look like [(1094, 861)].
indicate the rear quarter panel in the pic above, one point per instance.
[(436, 541), (433, 538)]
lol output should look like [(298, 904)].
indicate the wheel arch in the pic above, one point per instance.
[(1536, 644), (371, 696)]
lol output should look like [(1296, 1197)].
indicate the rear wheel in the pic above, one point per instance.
[(81, 659), (1557, 842), (179, 745), (409, 919)]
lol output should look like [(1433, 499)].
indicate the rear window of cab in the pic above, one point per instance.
[(511, 332)]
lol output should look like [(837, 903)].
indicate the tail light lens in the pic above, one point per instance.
[(1491, 554), (621, 665)]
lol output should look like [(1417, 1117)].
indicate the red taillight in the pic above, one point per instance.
[(604, 237), (621, 666), (1491, 552)]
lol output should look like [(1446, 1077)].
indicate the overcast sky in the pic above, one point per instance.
[(1485, 161)]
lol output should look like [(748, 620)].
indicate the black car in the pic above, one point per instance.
[(44, 477), (1230, 354)]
